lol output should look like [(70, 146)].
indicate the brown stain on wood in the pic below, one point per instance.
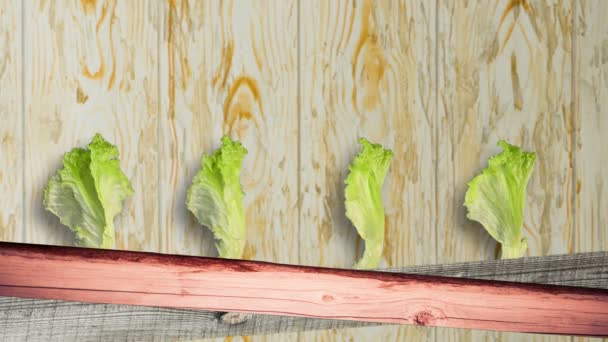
[(112, 53), (517, 97), (388, 252), (258, 223), (98, 74), (249, 252), (243, 97), (256, 54), (171, 57), (369, 63), (8, 227), (334, 182), (89, 5), (81, 97), (343, 40), (186, 72), (221, 76), (514, 7), (173, 147)]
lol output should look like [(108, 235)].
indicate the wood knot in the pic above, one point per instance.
[(81, 97), (242, 104), (423, 318), (234, 317), (369, 67), (327, 298)]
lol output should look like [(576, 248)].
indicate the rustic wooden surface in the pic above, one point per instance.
[(591, 124), (91, 67), (52, 319), (225, 71), (189, 282), (11, 122), (439, 82)]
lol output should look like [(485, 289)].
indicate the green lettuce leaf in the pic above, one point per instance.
[(216, 198), (363, 199), (88, 192), (496, 198)]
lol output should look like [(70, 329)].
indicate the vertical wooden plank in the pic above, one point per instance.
[(504, 73), (91, 67), (11, 115), (187, 127), (367, 70), (592, 124), (230, 67)]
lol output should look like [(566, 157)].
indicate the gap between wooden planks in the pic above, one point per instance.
[(137, 278)]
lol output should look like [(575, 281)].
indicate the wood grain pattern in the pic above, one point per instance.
[(11, 139), (591, 120), (91, 67), (353, 74), (366, 71), (504, 73), (225, 71), (591, 123), (54, 319), (120, 277)]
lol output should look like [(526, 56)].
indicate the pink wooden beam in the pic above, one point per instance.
[(121, 277)]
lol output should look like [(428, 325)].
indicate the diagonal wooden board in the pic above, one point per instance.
[(34, 319)]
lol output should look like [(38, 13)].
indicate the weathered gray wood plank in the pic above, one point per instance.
[(46, 320)]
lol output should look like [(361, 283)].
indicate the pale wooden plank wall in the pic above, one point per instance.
[(592, 124), (11, 129), (225, 71), (185, 131), (298, 82), (91, 67)]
